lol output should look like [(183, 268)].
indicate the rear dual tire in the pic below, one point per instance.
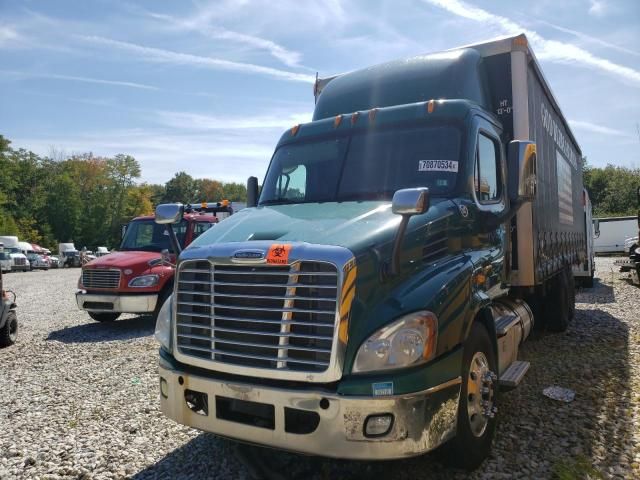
[(560, 302)]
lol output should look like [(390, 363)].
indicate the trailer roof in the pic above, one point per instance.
[(487, 49)]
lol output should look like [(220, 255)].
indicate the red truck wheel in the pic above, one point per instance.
[(104, 317)]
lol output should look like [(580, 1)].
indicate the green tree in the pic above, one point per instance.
[(181, 188)]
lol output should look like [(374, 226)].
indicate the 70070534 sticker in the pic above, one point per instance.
[(438, 166)]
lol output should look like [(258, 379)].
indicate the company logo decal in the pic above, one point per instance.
[(249, 255), (279, 254)]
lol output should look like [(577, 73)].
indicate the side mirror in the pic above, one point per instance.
[(165, 257), (410, 201), (596, 227), (522, 171), (169, 213), (406, 202), (252, 192)]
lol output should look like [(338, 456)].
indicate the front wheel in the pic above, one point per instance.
[(476, 422), (104, 317), (9, 333)]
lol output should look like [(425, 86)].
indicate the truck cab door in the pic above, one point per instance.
[(489, 200)]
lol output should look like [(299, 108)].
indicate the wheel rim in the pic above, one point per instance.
[(13, 330), (480, 385)]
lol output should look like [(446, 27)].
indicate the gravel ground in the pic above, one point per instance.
[(79, 399)]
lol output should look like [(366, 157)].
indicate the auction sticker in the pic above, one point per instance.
[(279, 254), (382, 389), (438, 166)]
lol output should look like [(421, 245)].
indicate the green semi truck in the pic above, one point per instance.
[(371, 301)]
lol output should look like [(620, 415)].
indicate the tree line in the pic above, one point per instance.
[(85, 198), (612, 190)]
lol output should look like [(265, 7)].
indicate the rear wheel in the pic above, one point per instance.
[(104, 317), (9, 333), (561, 302), (477, 406)]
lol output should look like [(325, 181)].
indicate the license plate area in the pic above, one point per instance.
[(243, 411)]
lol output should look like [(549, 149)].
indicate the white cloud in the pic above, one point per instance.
[(592, 39), (152, 54), (194, 121), (118, 83), (599, 129), (202, 26), (8, 35), (551, 50), (598, 8)]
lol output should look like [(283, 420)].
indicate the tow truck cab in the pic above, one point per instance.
[(138, 277)]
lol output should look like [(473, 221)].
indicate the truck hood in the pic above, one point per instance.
[(128, 259), (354, 225)]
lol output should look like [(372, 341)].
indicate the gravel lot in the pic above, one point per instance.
[(79, 399)]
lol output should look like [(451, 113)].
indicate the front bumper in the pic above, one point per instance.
[(22, 268), (99, 302), (421, 421)]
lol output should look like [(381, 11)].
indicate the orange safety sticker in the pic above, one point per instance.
[(279, 254)]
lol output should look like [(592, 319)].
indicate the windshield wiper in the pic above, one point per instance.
[(361, 196), (283, 201)]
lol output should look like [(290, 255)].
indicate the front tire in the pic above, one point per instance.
[(104, 317), (476, 423), (9, 333)]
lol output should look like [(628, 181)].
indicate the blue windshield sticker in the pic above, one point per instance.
[(438, 166), (382, 389)]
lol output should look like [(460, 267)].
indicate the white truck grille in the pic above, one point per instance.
[(96, 278), (273, 317)]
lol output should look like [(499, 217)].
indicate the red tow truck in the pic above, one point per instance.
[(139, 276)]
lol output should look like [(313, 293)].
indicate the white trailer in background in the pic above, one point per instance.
[(584, 272), (613, 233)]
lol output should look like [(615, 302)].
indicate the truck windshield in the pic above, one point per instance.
[(149, 236), (364, 167)]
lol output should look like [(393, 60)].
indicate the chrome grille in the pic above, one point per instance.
[(274, 317), (94, 278), (19, 261)]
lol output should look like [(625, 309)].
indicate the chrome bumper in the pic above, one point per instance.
[(119, 303), (422, 420)]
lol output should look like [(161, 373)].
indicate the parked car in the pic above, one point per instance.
[(54, 262), (37, 262)]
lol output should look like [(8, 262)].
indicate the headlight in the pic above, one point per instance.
[(163, 324), (408, 341), (144, 281)]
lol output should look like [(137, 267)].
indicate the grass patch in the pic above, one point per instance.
[(578, 468)]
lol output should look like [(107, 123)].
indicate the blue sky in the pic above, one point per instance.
[(209, 86)]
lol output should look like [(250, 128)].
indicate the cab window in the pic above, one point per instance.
[(487, 171), (199, 228)]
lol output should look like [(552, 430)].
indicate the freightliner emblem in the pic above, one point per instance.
[(248, 255)]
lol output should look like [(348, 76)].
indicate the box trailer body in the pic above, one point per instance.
[(433, 203), (584, 272), (614, 231)]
